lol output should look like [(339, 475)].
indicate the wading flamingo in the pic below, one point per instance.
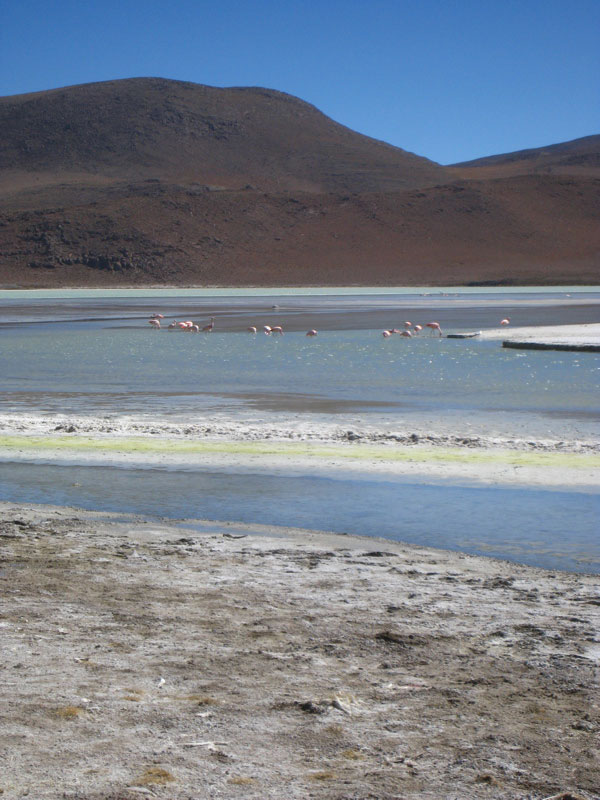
[(408, 324), (173, 325), (208, 328), (406, 333), (312, 332), (155, 323), (505, 321), (418, 328), (386, 334), (435, 326), (266, 329), (251, 329), (277, 329)]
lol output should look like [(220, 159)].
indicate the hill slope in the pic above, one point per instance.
[(171, 130), (149, 182), (577, 157)]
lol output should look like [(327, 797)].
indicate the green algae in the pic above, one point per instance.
[(379, 453)]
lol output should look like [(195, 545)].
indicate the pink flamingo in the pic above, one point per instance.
[(251, 329), (155, 323), (195, 329), (408, 324), (505, 321), (418, 328), (267, 329), (435, 326), (158, 316), (208, 328), (183, 325), (173, 325), (312, 332), (406, 333), (386, 334), (277, 329)]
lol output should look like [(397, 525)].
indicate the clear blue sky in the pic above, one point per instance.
[(450, 80)]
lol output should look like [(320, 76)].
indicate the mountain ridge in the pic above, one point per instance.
[(148, 181)]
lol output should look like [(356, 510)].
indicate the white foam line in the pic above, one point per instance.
[(261, 430)]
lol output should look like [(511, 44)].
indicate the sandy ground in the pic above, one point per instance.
[(141, 659)]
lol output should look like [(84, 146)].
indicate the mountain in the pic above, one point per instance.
[(174, 131), (577, 157), (153, 182)]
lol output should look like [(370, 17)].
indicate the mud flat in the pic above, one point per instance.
[(148, 659)]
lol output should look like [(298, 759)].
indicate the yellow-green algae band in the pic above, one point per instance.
[(353, 451)]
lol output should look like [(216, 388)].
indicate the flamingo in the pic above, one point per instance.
[(251, 329), (435, 326), (183, 325), (408, 324), (277, 329), (406, 333), (208, 328), (386, 334), (505, 321), (173, 325), (194, 329), (158, 316), (312, 332), (266, 329), (155, 323), (418, 328)]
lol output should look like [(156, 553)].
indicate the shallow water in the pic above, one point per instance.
[(93, 354), (556, 530), (97, 356)]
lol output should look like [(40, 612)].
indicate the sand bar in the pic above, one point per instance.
[(474, 465), (561, 337)]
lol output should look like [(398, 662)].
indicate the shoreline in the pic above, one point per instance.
[(578, 338), (325, 449), (140, 655), (483, 287)]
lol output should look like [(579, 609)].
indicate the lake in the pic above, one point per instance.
[(92, 355)]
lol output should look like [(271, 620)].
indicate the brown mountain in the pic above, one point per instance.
[(577, 157), (183, 132), (148, 181)]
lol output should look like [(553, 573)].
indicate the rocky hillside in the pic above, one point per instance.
[(577, 157), (149, 182), (174, 131)]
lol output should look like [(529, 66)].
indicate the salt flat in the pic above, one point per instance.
[(576, 335)]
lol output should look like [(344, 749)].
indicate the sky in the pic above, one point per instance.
[(451, 80)]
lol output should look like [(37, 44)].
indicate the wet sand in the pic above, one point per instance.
[(569, 465), (143, 659)]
